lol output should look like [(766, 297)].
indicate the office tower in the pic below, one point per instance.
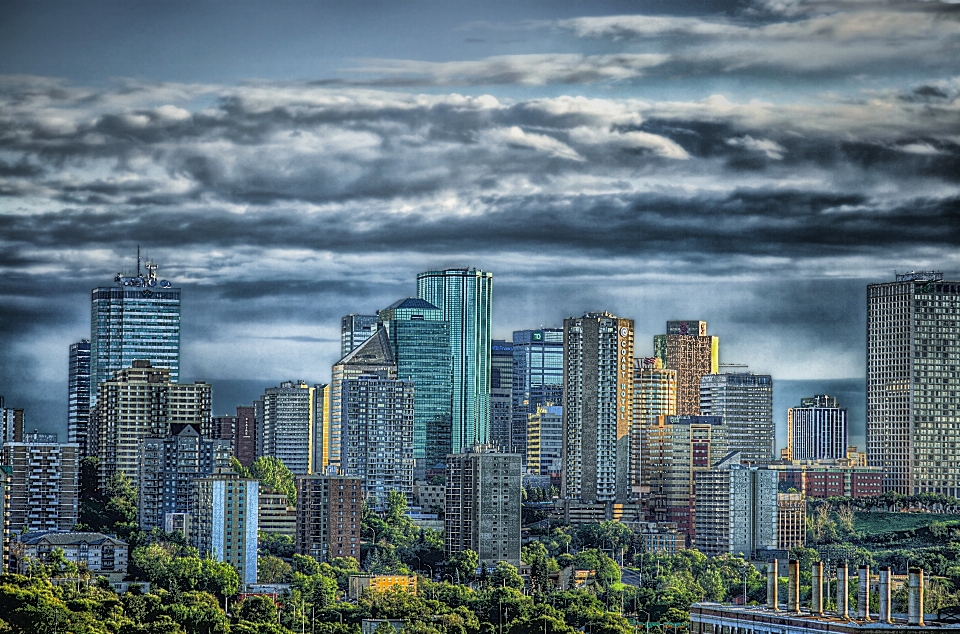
[(354, 330), (501, 394), (545, 442), (913, 380), (597, 407), (792, 520), (11, 424), (168, 468), (377, 435), (465, 298), (745, 401), (674, 449), (537, 378), (226, 522), (736, 509), (136, 320), (817, 429), (78, 395), (142, 402), (290, 424), (42, 483), (482, 510), (654, 394), (420, 340), (374, 356), (688, 349), (329, 511)]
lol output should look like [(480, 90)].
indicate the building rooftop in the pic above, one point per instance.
[(760, 619), (56, 538), (412, 302)]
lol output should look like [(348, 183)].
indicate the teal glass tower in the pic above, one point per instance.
[(465, 299), (138, 319), (420, 339)]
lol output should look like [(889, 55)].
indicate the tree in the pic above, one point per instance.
[(272, 569), (506, 575), (271, 472), (464, 564), (258, 609)]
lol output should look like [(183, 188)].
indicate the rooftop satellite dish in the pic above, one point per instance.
[(164, 284)]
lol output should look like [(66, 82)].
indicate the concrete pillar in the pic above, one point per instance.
[(772, 598), (915, 596), (816, 591), (885, 609), (843, 600), (863, 593), (793, 587)]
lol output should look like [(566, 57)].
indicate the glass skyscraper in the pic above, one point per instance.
[(420, 339), (537, 377), (138, 319), (78, 395), (465, 298), (501, 395)]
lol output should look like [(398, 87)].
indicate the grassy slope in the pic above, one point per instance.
[(882, 522)]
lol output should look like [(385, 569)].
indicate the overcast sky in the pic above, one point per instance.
[(752, 164)]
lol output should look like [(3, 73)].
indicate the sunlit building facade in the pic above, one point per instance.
[(688, 349), (537, 378)]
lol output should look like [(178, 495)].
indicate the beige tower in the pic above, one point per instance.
[(654, 394), (688, 349)]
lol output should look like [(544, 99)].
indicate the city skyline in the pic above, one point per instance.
[(754, 165)]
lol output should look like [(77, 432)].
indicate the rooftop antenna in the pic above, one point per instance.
[(138, 260)]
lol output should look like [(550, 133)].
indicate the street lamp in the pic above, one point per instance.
[(646, 625)]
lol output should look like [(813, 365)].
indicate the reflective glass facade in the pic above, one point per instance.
[(78, 395), (501, 395), (537, 377), (465, 299), (139, 319), (420, 339)]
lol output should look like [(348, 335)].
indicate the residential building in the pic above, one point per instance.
[(537, 378), (276, 515), (78, 395), (482, 510), (245, 435), (420, 340), (688, 349), (168, 468), (735, 508), (913, 387), (377, 435), (574, 512), (501, 394), (660, 538), (792, 520), (289, 424), (597, 407), (42, 484), (745, 401), (545, 443), (357, 584), (830, 478), (11, 424), (143, 402), (375, 357), (817, 430), (674, 449), (329, 511), (465, 298), (102, 555), (226, 522), (429, 496), (354, 330), (136, 320), (6, 471), (654, 394)]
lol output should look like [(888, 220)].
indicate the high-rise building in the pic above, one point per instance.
[(11, 424), (913, 383), (817, 430), (537, 378), (545, 442), (674, 449), (42, 484), (377, 435), (354, 330), (482, 511), (290, 422), (168, 468), (142, 402), (465, 297), (227, 520), (792, 520), (329, 511), (654, 395), (745, 401), (736, 509), (501, 394), (136, 320), (597, 407), (688, 349), (374, 356), (420, 340), (78, 395)]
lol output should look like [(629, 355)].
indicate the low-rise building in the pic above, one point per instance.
[(791, 520), (659, 537), (429, 496), (103, 555), (574, 512), (276, 514), (381, 583)]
